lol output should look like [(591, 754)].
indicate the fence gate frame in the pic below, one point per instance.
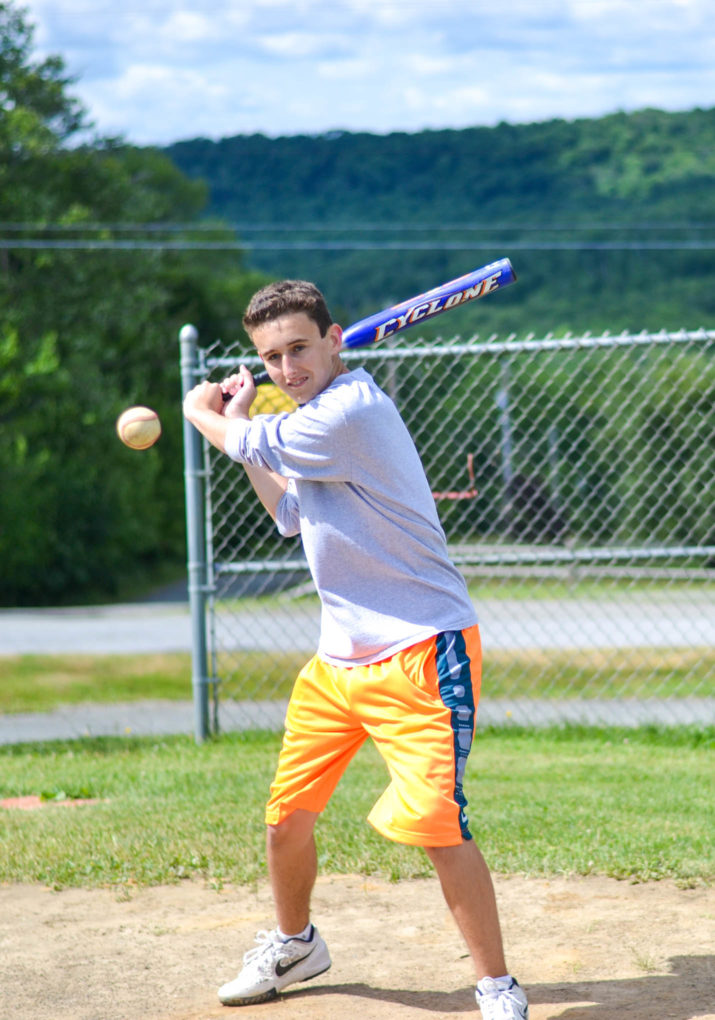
[(199, 586)]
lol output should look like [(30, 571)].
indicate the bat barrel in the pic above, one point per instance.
[(394, 319), (411, 312)]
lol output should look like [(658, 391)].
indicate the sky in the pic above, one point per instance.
[(159, 71)]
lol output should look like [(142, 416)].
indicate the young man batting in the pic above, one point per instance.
[(399, 657)]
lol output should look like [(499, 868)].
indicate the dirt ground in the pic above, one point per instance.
[(585, 948)]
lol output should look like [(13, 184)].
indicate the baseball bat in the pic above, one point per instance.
[(414, 310)]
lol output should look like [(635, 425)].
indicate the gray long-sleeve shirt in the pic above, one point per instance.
[(358, 496)]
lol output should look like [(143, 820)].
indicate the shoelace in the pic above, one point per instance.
[(262, 956), (504, 1005), (501, 1004), (263, 940)]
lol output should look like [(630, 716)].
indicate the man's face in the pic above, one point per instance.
[(298, 359)]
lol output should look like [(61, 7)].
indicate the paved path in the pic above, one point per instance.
[(161, 718), (140, 718), (96, 630), (506, 624)]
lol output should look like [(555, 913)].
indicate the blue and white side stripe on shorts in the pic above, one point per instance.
[(455, 688)]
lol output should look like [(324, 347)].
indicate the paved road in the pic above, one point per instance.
[(132, 628), (159, 718), (506, 625)]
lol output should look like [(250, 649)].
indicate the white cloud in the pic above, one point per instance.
[(188, 27), (162, 70), (299, 45)]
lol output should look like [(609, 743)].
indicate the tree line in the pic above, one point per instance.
[(85, 333), (609, 222)]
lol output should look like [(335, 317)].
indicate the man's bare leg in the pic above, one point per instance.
[(293, 868), (469, 892), (274, 963)]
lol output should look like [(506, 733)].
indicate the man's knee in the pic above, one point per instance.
[(292, 832), (439, 853)]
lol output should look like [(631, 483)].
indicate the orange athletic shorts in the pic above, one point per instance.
[(418, 706)]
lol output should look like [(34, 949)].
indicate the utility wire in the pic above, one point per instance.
[(137, 244), (253, 227)]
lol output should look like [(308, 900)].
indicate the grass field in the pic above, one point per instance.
[(631, 804), (39, 683)]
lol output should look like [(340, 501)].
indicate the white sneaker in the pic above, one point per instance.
[(273, 965), (501, 1004)]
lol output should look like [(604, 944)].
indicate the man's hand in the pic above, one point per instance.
[(204, 397), (243, 392), (206, 409)]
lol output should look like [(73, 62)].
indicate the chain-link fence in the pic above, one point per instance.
[(574, 480)]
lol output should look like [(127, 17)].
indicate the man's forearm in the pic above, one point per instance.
[(214, 426), (210, 424), (268, 486)]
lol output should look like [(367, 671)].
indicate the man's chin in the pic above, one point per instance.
[(301, 393)]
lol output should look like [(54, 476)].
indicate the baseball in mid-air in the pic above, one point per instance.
[(138, 427)]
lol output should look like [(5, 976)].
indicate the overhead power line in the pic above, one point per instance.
[(141, 244), (254, 227), (254, 236)]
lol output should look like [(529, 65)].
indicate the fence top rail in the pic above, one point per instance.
[(489, 555), (492, 346)]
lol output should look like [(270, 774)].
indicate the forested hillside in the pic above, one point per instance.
[(610, 222)]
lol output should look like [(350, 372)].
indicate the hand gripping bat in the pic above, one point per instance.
[(414, 310)]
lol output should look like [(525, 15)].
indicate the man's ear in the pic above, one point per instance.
[(335, 334)]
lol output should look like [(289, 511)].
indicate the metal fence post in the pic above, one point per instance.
[(195, 539)]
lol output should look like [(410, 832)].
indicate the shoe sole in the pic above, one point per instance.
[(272, 993)]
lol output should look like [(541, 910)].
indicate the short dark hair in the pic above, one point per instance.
[(284, 298)]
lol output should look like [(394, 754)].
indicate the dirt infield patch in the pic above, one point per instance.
[(586, 949), (33, 802)]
